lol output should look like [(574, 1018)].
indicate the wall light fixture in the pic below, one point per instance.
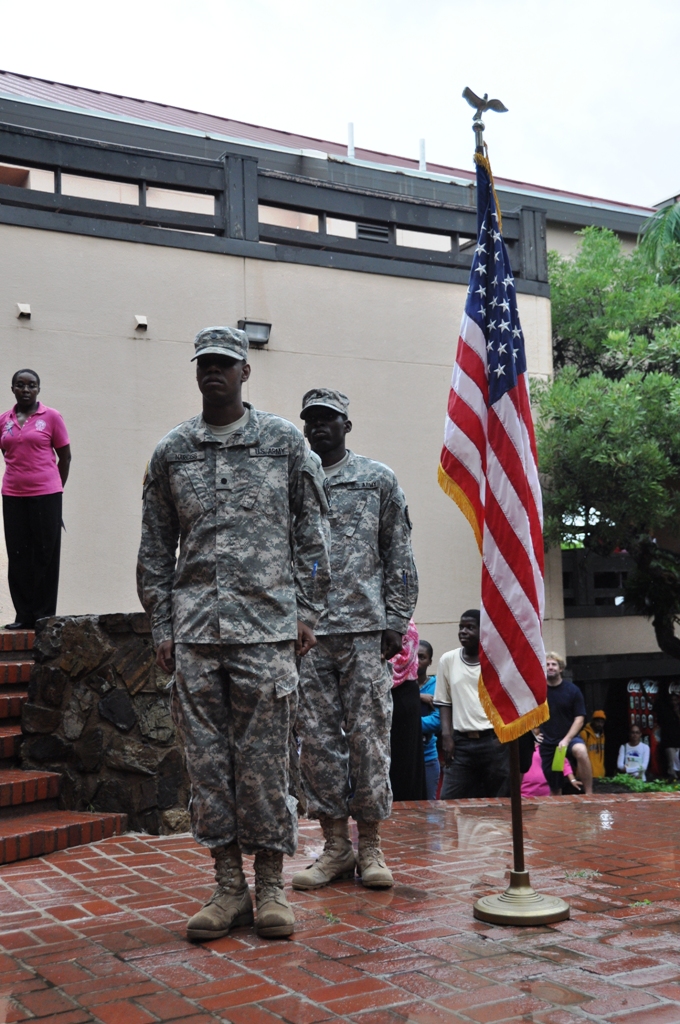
[(258, 332)]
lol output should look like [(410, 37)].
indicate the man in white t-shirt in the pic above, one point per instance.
[(476, 762)]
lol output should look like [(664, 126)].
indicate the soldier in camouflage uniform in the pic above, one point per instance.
[(246, 501), (345, 707)]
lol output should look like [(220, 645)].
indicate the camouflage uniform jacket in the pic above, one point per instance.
[(249, 513), (374, 580)]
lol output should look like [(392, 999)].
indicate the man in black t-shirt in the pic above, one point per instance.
[(567, 718)]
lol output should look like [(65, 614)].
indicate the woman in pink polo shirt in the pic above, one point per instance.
[(30, 434)]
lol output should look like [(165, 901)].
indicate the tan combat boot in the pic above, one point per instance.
[(336, 861), (371, 865), (230, 906), (274, 916)]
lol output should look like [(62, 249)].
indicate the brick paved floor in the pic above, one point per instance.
[(95, 933)]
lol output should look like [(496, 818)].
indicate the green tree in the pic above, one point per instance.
[(611, 313), (609, 424), (660, 241)]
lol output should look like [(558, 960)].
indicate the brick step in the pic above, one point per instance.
[(39, 834), (18, 788), (10, 741), (15, 672), (16, 640), (11, 703)]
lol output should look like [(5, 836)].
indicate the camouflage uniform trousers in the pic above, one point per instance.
[(233, 705), (343, 724)]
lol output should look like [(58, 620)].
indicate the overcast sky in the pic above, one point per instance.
[(591, 85)]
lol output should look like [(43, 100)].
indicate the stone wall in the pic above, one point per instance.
[(98, 712)]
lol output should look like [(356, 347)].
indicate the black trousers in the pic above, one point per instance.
[(33, 539), (407, 766), (480, 768)]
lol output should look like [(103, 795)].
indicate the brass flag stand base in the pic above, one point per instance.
[(519, 904)]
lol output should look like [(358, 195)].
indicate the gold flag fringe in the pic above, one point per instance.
[(456, 493), (483, 161), (515, 729)]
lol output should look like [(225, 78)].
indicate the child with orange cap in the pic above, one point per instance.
[(593, 736)]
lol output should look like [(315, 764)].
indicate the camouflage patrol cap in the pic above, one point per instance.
[(222, 341), (326, 397)]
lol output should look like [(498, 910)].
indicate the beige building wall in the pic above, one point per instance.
[(566, 241), (631, 634), (388, 342), (554, 622)]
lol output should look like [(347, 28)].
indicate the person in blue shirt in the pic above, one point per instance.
[(429, 721)]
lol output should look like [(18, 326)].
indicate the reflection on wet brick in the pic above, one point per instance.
[(96, 933)]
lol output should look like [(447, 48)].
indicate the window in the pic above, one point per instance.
[(568, 589), (186, 202), (594, 585), (16, 176), (608, 580), (341, 228), (608, 588), (423, 240), (27, 177), (99, 188), (287, 218)]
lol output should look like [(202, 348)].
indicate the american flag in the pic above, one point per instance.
[(489, 467)]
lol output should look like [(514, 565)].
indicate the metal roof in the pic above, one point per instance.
[(103, 104)]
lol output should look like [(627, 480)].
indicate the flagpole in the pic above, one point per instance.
[(519, 904), (516, 807)]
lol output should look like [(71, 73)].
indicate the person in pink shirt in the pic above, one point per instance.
[(407, 765), (533, 781), (37, 454)]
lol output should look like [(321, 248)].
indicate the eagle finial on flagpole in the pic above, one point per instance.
[(481, 104)]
